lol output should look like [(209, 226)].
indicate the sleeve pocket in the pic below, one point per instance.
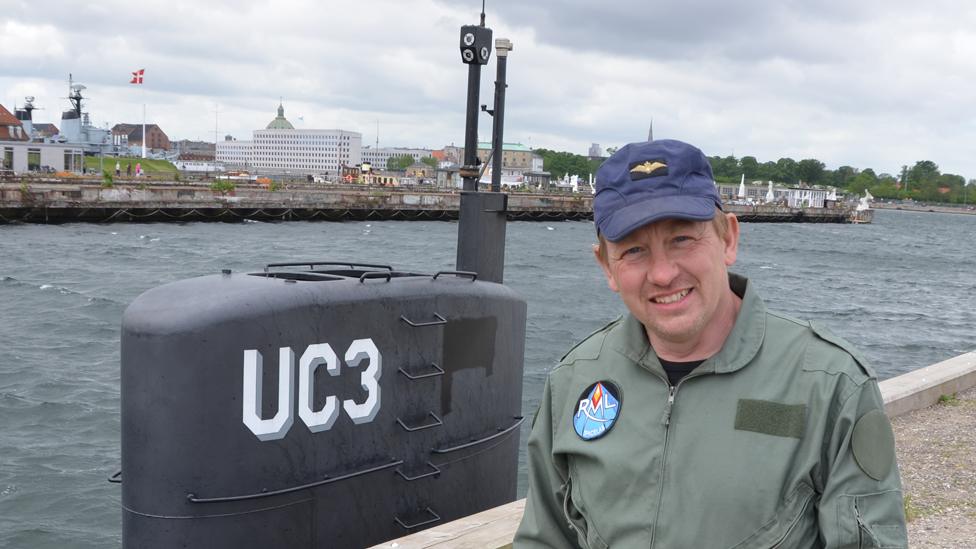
[(877, 520)]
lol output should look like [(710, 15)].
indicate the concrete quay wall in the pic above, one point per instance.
[(60, 202)]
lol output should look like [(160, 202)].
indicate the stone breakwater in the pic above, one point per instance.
[(59, 202)]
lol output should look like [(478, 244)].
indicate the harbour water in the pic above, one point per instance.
[(902, 289)]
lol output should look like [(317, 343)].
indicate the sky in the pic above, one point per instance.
[(870, 83)]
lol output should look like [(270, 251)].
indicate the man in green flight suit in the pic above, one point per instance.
[(700, 419)]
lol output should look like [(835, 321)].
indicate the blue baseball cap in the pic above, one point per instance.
[(651, 181)]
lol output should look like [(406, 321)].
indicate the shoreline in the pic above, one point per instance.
[(965, 210), (59, 202)]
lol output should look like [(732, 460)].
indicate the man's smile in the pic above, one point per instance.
[(671, 298)]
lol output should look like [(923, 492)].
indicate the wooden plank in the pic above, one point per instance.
[(490, 529)]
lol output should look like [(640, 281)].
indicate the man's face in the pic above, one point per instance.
[(673, 277)]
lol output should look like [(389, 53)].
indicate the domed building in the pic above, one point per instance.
[(280, 122), (279, 148)]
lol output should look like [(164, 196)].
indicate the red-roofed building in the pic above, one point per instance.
[(10, 128), (131, 134), (45, 130)]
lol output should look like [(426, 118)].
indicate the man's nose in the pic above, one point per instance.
[(661, 270)]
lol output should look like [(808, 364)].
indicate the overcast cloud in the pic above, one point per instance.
[(871, 84)]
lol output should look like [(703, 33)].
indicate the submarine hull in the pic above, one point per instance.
[(322, 408)]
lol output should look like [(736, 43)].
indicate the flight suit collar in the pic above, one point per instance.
[(630, 340)]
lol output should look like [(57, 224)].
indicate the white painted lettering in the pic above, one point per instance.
[(276, 427), (360, 351), (315, 356)]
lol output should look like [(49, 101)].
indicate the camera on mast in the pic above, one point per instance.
[(475, 44)]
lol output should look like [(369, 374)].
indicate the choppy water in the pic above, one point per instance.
[(902, 289)]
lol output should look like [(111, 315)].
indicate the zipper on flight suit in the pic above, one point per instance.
[(667, 410), (666, 420)]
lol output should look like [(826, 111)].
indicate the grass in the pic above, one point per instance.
[(149, 166), (911, 511), (949, 400)]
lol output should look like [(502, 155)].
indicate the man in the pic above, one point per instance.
[(700, 419)]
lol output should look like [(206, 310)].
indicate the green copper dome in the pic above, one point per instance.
[(280, 122)]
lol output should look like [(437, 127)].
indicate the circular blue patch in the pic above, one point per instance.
[(597, 410)]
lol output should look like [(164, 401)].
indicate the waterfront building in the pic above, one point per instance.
[(448, 178), (130, 135), (45, 130), (20, 154), (378, 157), (193, 150), (595, 152), (27, 156), (197, 166), (12, 129), (280, 148), (794, 197), (516, 158), (234, 154)]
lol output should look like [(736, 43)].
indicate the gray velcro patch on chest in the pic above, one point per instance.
[(771, 418)]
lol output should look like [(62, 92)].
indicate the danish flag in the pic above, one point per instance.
[(137, 76)]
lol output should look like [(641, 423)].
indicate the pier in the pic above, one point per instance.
[(933, 415), (51, 201)]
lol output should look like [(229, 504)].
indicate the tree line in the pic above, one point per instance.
[(922, 181)]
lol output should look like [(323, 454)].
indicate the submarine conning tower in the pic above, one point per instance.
[(328, 404), (324, 407)]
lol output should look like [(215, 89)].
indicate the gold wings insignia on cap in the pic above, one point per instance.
[(648, 167)]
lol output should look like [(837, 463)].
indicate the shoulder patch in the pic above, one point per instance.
[(825, 334), (873, 444), (598, 409)]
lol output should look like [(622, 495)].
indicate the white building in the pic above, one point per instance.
[(794, 197), (378, 157), (280, 148), (235, 154), (28, 156)]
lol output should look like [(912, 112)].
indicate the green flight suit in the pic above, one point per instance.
[(779, 440)]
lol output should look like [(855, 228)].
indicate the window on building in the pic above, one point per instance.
[(8, 158), (33, 160)]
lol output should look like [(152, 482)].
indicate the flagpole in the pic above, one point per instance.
[(144, 136)]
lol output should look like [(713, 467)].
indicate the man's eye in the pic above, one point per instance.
[(632, 252)]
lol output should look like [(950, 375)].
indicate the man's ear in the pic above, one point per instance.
[(731, 240), (604, 265)]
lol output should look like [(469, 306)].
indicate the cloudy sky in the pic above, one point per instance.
[(867, 83)]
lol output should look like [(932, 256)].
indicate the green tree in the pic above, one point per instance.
[(430, 161), (810, 170), (786, 170), (611, 150), (924, 171), (562, 163), (843, 176), (750, 167), (724, 168), (865, 180), (399, 163)]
